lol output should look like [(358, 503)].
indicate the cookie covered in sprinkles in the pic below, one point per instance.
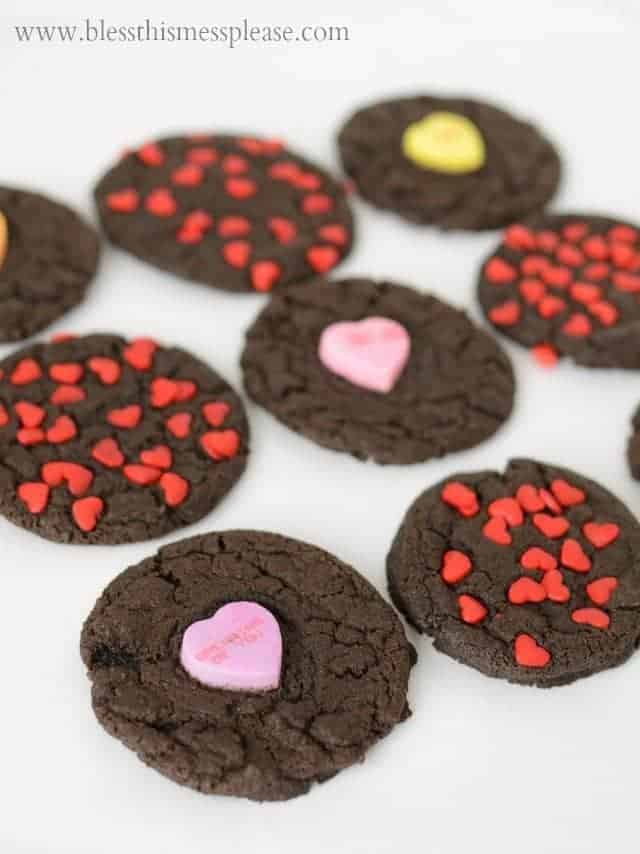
[(104, 440), (567, 285), (233, 212), (532, 575)]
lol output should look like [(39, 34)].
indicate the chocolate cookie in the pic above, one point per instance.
[(532, 576), (568, 286), (450, 162), (48, 256), (108, 441), (377, 370), (247, 664), (233, 212)]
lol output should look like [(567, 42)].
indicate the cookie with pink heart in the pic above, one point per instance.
[(377, 370), (246, 663)]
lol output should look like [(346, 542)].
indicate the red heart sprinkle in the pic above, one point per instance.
[(141, 475), (584, 292), (605, 312), (237, 253), (123, 201), (496, 529), (158, 457), (550, 502), (139, 353), (593, 617), (566, 494), (234, 164), (264, 275), (4, 416), (499, 272), (596, 248), (547, 241), (282, 229), (570, 256), (30, 436), (189, 235), (551, 526), (601, 534), (220, 444), (529, 653), (306, 181), (536, 558), (66, 372), (197, 220), (151, 154), (505, 314), (202, 155), (471, 610), (461, 498), (65, 394), (174, 487), (188, 175), (160, 202), (554, 586), (557, 277), (600, 590), (179, 425), (623, 255), (322, 258), (334, 234), (550, 306), (185, 390), (534, 265), (127, 417), (596, 272), (234, 226), (525, 590), (215, 412), (107, 370), (573, 557), (107, 451), (545, 355), (285, 170), (519, 238), (623, 233), (163, 392), (35, 495), (30, 414), (626, 282), (532, 290), (316, 203), (240, 188), (575, 231), (77, 477), (577, 326), (507, 509), (87, 511), (455, 566), (25, 372), (62, 430)]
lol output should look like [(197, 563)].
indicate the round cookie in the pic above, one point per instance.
[(237, 213), (532, 575), (377, 370), (104, 440), (48, 256), (567, 285), (341, 680), (450, 162)]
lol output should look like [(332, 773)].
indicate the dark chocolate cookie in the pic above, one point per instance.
[(233, 212), (337, 653), (532, 576), (108, 441), (377, 370), (568, 286), (450, 162), (48, 256)]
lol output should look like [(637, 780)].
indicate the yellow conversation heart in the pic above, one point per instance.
[(445, 142)]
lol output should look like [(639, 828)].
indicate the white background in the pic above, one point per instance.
[(481, 766)]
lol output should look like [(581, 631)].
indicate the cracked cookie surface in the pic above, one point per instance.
[(232, 212), (51, 256), (520, 172), (104, 440), (344, 677), (532, 575), (456, 388)]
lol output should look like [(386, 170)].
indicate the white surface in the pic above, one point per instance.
[(481, 766)]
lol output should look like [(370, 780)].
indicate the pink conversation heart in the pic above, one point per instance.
[(239, 648), (370, 353)]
